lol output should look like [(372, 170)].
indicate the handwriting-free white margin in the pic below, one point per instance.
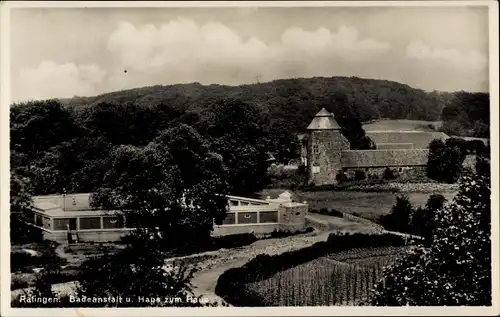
[(5, 296)]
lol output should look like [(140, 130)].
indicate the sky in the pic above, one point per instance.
[(66, 52)]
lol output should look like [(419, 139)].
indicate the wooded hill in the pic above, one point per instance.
[(294, 99), (66, 141)]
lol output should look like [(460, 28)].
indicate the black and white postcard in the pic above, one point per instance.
[(249, 158)]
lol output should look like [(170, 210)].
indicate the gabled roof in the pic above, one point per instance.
[(384, 158), (323, 120)]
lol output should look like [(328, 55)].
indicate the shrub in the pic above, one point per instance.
[(286, 233), (20, 261), (475, 146), (445, 160), (336, 213), (359, 175), (422, 222), (399, 218), (341, 177), (17, 283), (388, 174), (458, 261)]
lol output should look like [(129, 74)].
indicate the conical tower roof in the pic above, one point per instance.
[(323, 120)]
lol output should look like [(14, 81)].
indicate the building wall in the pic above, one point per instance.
[(292, 216), (324, 156), (245, 228), (87, 236), (401, 172)]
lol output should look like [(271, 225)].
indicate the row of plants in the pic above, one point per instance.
[(231, 284), (328, 212), (325, 282), (228, 241)]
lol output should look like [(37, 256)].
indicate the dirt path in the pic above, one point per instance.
[(205, 280)]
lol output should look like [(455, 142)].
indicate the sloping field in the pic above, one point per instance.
[(370, 205), (344, 278), (402, 125)]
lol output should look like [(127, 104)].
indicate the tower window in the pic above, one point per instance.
[(315, 149)]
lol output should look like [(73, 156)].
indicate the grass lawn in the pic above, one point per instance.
[(367, 205), (402, 125)]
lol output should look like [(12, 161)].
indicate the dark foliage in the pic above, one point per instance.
[(341, 177), (331, 212), (445, 160), (359, 175), (24, 262), (389, 174), (476, 147), (467, 114), (231, 284), (399, 217), (455, 269), (423, 222)]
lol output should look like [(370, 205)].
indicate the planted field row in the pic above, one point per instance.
[(326, 282)]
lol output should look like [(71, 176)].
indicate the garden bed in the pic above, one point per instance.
[(344, 278), (232, 284)]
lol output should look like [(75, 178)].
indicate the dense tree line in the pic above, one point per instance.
[(467, 114), (295, 100), (445, 161)]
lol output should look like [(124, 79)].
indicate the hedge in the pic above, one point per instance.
[(231, 284)]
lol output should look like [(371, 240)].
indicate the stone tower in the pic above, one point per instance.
[(324, 146)]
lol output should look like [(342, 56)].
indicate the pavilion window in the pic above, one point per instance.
[(113, 222), (230, 219), (39, 220), (90, 223), (247, 217), (268, 216), (61, 223), (46, 222)]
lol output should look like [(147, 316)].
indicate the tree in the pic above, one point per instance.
[(388, 173), (456, 268), (422, 221), (283, 141), (445, 161), (36, 126), (20, 211), (399, 217), (135, 272), (174, 186), (236, 132)]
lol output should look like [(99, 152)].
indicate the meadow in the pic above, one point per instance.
[(369, 205), (402, 125), (344, 278)]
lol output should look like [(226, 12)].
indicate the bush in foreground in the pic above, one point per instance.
[(455, 270)]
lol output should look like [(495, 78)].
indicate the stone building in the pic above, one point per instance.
[(328, 157)]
